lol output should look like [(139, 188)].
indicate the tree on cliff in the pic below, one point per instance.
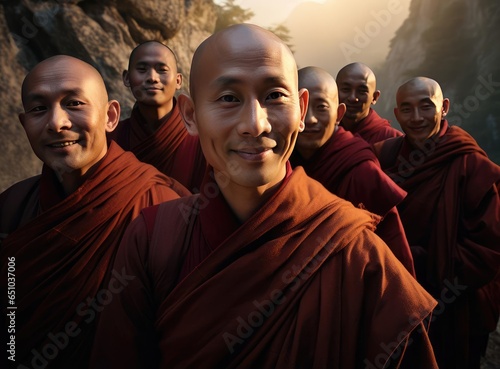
[(229, 13)]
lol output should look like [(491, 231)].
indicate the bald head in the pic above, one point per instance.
[(60, 67), (315, 77), (357, 69), (235, 43), (421, 84), (145, 44)]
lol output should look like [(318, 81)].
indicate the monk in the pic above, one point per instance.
[(155, 131), (452, 220), (358, 91), (267, 269), (60, 230), (346, 164)]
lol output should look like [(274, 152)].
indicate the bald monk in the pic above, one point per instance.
[(452, 220), (346, 164), (60, 230), (358, 91), (267, 269), (155, 131)]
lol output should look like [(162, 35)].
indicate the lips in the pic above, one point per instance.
[(62, 144)]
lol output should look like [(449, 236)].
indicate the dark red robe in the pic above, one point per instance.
[(347, 166), (171, 149), (452, 220), (374, 128), (63, 250), (303, 283)]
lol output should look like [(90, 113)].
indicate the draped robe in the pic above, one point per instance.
[(347, 166), (373, 128), (303, 283), (64, 248), (452, 220), (171, 149)]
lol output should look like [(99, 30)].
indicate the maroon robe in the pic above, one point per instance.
[(63, 249), (171, 149), (347, 166), (452, 220), (374, 128), (303, 283)]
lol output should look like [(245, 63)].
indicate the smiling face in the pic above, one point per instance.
[(152, 75), (420, 109), (245, 107), (66, 115), (323, 112), (357, 90)]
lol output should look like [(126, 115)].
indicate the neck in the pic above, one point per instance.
[(245, 201), (154, 114)]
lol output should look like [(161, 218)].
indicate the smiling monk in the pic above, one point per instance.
[(267, 269), (155, 131), (61, 229), (452, 220)]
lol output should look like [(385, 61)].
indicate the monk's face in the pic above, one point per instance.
[(419, 111), (247, 107), (66, 115), (357, 90), (322, 112), (152, 75)]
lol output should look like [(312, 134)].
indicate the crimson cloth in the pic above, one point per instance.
[(373, 128), (63, 250), (452, 220), (171, 149), (303, 283), (347, 166)]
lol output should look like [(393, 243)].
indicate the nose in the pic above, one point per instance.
[(254, 121), (58, 119), (310, 117), (352, 96), (152, 75), (415, 115)]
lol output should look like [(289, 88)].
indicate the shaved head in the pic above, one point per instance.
[(146, 43), (239, 39), (420, 84), (315, 76), (358, 69), (54, 67)]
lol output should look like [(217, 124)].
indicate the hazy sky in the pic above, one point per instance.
[(333, 33)]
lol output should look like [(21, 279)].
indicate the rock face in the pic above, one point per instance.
[(453, 42), (100, 32)]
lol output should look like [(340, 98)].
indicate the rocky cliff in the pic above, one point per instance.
[(100, 32), (456, 43)]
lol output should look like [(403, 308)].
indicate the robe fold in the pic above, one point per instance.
[(373, 128), (347, 166), (303, 283), (64, 248), (171, 149), (452, 220)]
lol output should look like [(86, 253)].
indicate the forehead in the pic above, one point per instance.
[(58, 78), (355, 77), (415, 94), (152, 51)]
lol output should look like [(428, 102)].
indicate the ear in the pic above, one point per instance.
[(125, 78), (178, 81), (340, 112), (376, 95), (304, 103), (113, 115), (186, 106), (446, 106)]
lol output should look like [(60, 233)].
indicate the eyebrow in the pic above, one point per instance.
[(224, 81), (30, 96)]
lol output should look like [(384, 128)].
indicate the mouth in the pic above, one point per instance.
[(57, 145), (254, 153)]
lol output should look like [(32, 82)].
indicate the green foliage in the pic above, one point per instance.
[(229, 13), (283, 32)]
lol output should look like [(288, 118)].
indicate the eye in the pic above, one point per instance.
[(37, 109), (426, 107), (228, 99), (275, 95), (322, 107), (74, 103)]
